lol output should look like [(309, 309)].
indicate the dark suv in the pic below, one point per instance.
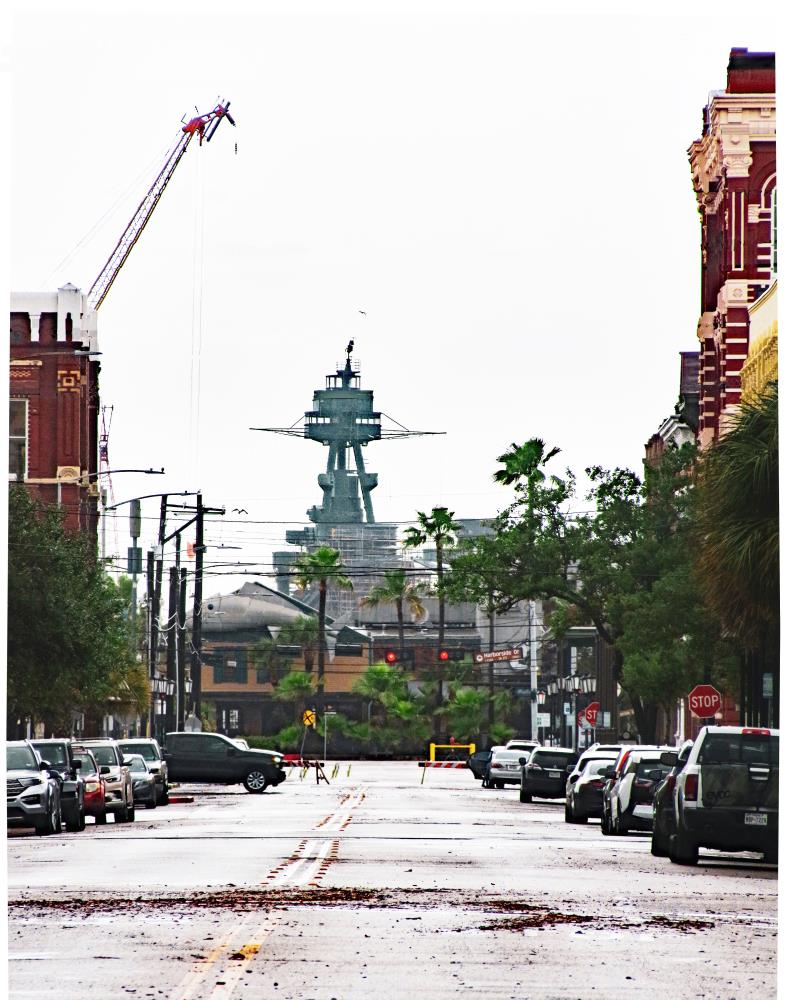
[(61, 756), (215, 759)]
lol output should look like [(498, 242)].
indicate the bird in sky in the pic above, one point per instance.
[(361, 312), (238, 510)]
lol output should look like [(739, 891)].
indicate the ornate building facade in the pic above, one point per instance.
[(734, 177), (53, 402)]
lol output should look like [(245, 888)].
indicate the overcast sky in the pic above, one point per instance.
[(506, 196)]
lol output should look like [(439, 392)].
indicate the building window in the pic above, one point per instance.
[(230, 668), (17, 439)]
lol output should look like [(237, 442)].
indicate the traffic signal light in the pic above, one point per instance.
[(391, 657), (444, 655), (449, 655)]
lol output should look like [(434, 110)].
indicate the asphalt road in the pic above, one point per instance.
[(377, 886)]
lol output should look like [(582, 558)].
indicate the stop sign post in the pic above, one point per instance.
[(704, 701)]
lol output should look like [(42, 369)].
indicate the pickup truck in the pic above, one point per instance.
[(726, 795), (216, 759)]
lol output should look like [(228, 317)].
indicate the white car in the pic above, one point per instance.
[(526, 745), (630, 801), (504, 767)]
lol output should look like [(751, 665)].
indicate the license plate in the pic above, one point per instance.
[(554, 774), (756, 819)]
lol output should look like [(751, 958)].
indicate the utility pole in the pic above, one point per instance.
[(181, 686), (171, 646), (533, 666), (156, 609), (196, 627), (491, 670), (150, 654)]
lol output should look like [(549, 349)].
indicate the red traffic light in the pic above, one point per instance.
[(444, 654), (391, 656)]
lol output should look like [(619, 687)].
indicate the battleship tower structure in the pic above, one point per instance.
[(343, 420)]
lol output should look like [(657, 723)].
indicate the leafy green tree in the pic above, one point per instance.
[(398, 590), (322, 567), (68, 641), (386, 688), (265, 654), (622, 562)]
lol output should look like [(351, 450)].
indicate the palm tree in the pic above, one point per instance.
[(397, 590), (523, 462), (323, 566), (296, 688), (738, 520), (440, 528), (302, 632)]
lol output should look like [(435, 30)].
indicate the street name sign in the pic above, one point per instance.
[(494, 655), (704, 701)]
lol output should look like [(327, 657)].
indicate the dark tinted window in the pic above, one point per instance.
[(739, 748), (549, 758), (53, 752), (645, 768)]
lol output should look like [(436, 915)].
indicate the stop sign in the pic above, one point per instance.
[(704, 700), (591, 713)]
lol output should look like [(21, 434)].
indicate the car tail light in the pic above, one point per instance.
[(496, 765), (755, 732), (691, 788), (597, 782)]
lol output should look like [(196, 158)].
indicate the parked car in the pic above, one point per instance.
[(478, 763), (544, 775), (118, 788), (726, 796), (94, 784), (526, 745), (60, 755), (154, 758), (664, 815), (630, 798), (32, 790), (583, 794), (213, 758), (142, 780), (612, 775), (504, 767)]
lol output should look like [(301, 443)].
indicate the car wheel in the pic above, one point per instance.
[(525, 796), (164, 800), (770, 857), (131, 813), (568, 817), (100, 818), (121, 815), (622, 829), (152, 803), (74, 826), (577, 818), (683, 850), (657, 848), (604, 825), (255, 782)]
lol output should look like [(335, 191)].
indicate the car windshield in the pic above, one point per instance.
[(595, 766), (88, 764), (146, 750), (105, 755), (552, 758), (53, 752), (20, 759), (137, 765), (510, 756), (739, 748), (645, 768)]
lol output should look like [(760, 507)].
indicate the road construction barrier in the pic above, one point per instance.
[(442, 763), (425, 764)]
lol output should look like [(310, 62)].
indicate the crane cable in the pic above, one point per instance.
[(92, 231)]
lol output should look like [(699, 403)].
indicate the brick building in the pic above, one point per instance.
[(53, 401), (734, 177)]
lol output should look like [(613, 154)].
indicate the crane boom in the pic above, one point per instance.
[(202, 125)]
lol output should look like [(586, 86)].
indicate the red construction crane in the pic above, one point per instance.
[(202, 125)]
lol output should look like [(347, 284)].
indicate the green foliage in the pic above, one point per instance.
[(465, 714), (68, 640), (738, 516), (302, 632), (323, 567)]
